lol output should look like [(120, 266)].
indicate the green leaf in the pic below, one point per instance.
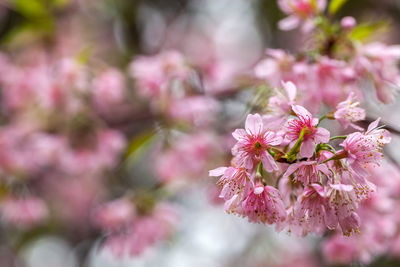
[(27, 32), (31, 8), (335, 5), (60, 3), (363, 31), (137, 146)]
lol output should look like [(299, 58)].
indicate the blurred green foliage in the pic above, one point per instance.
[(335, 5)]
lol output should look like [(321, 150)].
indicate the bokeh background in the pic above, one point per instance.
[(75, 132)]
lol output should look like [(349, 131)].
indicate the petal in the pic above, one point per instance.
[(239, 134), (217, 172), (355, 127), (272, 139), (248, 162), (308, 26), (324, 169), (373, 125), (331, 220), (307, 148), (386, 93), (358, 169), (322, 136), (268, 161), (254, 124), (266, 68), (288, 23), (291, 169), (342, 187), (290, 89), (301, 111), (350, 223), (385, 134), (226, 192), (231, 203), (319, 189)]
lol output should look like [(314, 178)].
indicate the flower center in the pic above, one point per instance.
[(304, 9), (257, 147)]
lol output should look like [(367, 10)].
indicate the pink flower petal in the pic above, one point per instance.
[(291, 169), (254, 124), (290, 89), (342, 187), (289, 23), (217, 172), (307, 148), (301, 111), (239, 134), (268, 162), (322, 135), (373, 125)]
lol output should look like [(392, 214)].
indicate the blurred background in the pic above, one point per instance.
[(92, 151)]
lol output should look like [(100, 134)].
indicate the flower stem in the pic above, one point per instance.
[(291, 155), (329, 116), (259, 172), (340, 155), (338, 137)]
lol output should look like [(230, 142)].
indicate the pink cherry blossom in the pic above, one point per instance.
[(277, 67), (300, 11), (264, 204), (153, 74), (197, 110), (115, 214), (365, 149), (24, 213), (362, 187), (339, 250), (233, 181), (313, 135), (188, 158), (348, 112), (343, 204), (109, 90), (280, 106), (253, 144), (307, 172), (377, 63), (334, 80), (310, 211)]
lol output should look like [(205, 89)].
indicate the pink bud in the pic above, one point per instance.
[(348, 23)]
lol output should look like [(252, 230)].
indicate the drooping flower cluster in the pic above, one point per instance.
[(64, 122), (294, 178), (379, 223)]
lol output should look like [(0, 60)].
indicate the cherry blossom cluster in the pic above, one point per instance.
[(380, 223), (292, 176), (334, 65), (100, 153), (166, 82), (51, 109)]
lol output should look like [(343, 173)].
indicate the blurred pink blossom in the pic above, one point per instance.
[(25, 212)]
